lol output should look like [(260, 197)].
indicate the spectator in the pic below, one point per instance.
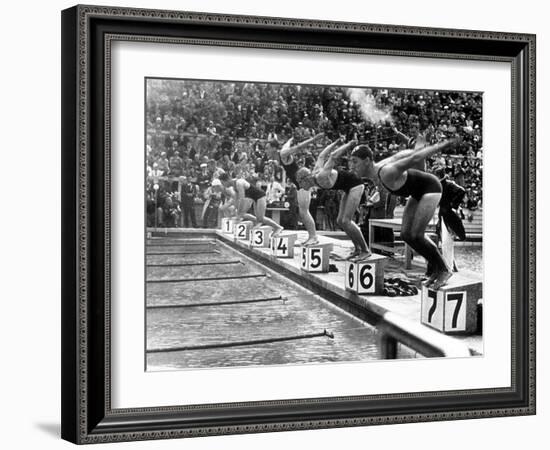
[(187, 196)]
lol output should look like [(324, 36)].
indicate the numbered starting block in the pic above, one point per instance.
[(366, 277), (316, 258), (259, 237), (452, 309), (283, 245), (241, 230), (228, 225)]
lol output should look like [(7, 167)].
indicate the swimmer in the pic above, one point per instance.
[(290, 166), (325, 176), (400, 177), (246, 195)]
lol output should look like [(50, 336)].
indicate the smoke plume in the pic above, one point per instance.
[(367, 105)]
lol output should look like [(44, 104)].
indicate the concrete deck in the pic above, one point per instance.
[(408, 307)]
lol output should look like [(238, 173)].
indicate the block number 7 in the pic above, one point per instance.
[(457, 297)]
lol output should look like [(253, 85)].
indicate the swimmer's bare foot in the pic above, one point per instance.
[(427, 283), (310, 241), (354, 254), (441, 279), (277, 232), (362, 256)]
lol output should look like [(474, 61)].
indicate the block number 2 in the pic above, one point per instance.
[(241, 231)]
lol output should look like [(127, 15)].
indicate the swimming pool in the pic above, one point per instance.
[(208, 305)]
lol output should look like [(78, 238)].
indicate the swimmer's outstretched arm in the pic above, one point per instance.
[(321, 159), (401, 137), (333, 158), (408, 160), (289, 149)]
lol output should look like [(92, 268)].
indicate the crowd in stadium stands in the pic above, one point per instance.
[(195, 128)]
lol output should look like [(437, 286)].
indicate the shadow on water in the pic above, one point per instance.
[(53, 429)]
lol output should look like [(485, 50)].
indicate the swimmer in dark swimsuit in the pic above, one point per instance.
[(423, 190), (246, 195), (326, 177), (290, 166)]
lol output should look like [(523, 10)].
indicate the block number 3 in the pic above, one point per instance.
[(259, 237)]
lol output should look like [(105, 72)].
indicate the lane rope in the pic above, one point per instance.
[(184, 280), (226, 302), (325, 333)]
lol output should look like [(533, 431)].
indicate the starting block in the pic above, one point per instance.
[(228, 225), (452, 309), (259, 237), (366, 277), (316, 258), (283, 245), (241, 230)]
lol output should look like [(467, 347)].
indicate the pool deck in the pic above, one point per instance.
[(407, 307)]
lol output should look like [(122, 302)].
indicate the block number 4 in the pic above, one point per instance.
[(282, 247)]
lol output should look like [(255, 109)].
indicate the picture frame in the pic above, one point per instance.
[(88, 33)]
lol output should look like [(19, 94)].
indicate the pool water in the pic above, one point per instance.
[(469, 258), (187, 309)]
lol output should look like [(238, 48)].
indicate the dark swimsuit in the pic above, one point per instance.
[(253, 192), (346, 181), (416, 185), (291, 170)]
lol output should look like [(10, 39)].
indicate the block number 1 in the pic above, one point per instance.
[(227, 226)]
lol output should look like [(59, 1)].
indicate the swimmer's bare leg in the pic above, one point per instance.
[(260, 207), (348, 206), (304, 200)]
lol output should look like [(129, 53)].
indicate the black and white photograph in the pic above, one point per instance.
[(296, 224), (274, 223)]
